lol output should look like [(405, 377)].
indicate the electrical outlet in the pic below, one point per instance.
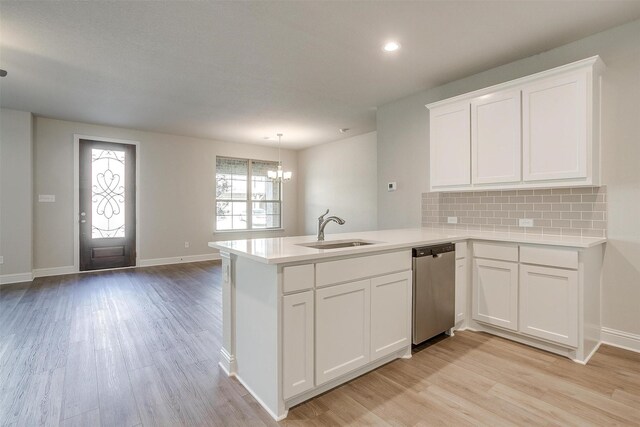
[(452, 220), (525, 222), (392, 186), (186, 244)]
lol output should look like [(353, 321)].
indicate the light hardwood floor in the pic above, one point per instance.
[(140, 347)]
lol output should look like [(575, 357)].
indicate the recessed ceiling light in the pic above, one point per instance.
[(391, 46)]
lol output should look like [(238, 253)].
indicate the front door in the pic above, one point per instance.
[(107, 205)]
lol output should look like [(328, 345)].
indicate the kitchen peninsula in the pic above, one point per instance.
[(299, 320)]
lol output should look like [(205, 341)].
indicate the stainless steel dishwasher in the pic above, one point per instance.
[(434, 270)]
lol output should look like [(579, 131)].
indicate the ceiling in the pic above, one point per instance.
[(240, 71)]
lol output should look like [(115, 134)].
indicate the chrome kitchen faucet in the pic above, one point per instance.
[(322, 223)]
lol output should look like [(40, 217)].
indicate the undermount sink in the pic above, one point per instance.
[(335, 244)]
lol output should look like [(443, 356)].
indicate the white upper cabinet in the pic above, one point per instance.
[(554, 122), (450, 150), (537, 131), (495, 138)]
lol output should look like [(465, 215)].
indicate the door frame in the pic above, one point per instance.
[(76, 194)]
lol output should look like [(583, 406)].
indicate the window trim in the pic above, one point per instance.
[(249, 201)]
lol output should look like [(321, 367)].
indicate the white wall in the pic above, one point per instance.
[(176, 193), (340, 176), (16, 195), (403, 140)]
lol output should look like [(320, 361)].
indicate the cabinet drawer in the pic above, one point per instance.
[(346, 270), (297, 278), (461, 250), (564, 258), (501, 251)]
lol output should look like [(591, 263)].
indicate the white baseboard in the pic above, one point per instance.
[(178, 259), (5, 279), (589, 356), (276, 417), (70, 269), (54, 271), (621, 339), (227, 362)]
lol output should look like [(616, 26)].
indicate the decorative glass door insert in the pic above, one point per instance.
[(108, 193)]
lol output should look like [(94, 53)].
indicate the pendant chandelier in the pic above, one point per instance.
[(279, 175)]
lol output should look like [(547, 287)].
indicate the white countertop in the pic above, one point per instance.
[(281, 250)]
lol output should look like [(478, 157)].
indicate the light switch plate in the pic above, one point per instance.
[(525, 222), (452, 220), (47, 198), (392, 186)]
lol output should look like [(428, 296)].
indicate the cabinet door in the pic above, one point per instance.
[(461, 290), (496, 138), (342, 329), (549, 303), (495, 293), (554, 124), (297, 343), (390, 313), (450, 145)]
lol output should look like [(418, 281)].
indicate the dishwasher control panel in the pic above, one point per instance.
[(433, 250)]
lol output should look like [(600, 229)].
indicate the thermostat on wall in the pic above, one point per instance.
[(392, 186)]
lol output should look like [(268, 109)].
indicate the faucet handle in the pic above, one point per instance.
[(321, 217)]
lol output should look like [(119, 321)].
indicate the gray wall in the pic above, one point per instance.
[(403, 140), (16, 192), (340, 176), (176, 193)]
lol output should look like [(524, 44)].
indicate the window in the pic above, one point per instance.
[(246, 199)]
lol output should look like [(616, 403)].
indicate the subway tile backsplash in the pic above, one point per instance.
[(580, 211)]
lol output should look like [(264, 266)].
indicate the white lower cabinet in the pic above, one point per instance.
[(342, 329), (297, 357), (390, 308), (357, 311), (461, 290), (495, 293), (545, 296), (549, 303)]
